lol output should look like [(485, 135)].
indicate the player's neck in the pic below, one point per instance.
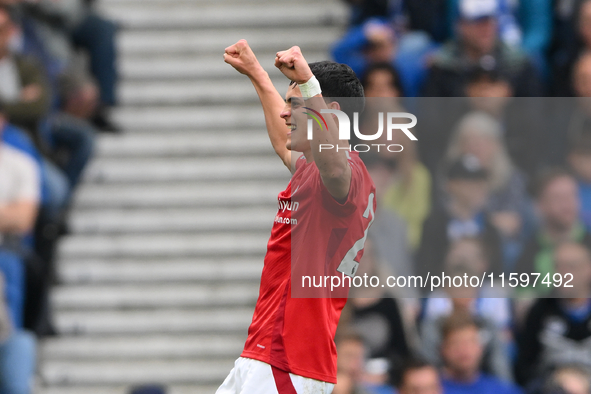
[(309, 156)]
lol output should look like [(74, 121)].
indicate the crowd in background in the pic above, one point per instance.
[(482, 190), (57, 85), (499, 181)]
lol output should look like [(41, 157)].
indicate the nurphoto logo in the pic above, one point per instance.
[(345, 129)]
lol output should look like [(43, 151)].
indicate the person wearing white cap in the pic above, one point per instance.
[(478, 45)]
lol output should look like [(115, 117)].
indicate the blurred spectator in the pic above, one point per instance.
[(581, 81), (24, 93), (526, 24), (558, 205), (19, 200), (382, 80), (17, 351), (462, 351), (569, 379), (33, 246), (565, 36), (478, 45), (362, 10), (468, 255), (483, 83), (565, 56), (351, 356), (389, 231), (579, 158), (72, 133), (424, 15), (345, 385), (480, 135), (407, 188), (491, 312), (409, 194), (354, 375), (76, 23), (522, 128), (463, 214), (571, 118), (78, 95), (557, 331), (376, 315), (519, 120), (61, 137), (418, 377), (375, 41), (25, 96)]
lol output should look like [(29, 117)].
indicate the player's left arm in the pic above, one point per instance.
[(332, 164)]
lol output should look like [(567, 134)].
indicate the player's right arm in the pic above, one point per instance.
[(241, 57)]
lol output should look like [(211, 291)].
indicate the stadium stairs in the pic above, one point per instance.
[(158, 279)]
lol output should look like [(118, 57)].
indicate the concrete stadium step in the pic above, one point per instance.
[(164, 321), (139, 170), (201, 118), (213, 42), (158, 271), (137, 297), (176, 195), (133, 372), (139, 347), (184, 91), (142, 221), (187, 144), (281, 15), (171, 389), (179, 67), (162, 245), (207, 67)]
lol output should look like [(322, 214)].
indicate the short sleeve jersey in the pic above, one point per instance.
[(293, 326)]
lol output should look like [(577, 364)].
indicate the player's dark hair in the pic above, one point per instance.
[(339, 81), (390, 69)]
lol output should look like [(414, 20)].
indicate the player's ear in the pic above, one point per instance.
[(334, 105)]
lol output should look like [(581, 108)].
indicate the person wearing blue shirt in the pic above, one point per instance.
[(462, 351), (376, 41)]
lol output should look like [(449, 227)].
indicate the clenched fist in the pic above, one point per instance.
[(242, 58), (293, 65)]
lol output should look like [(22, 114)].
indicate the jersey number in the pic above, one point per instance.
[(348, 265)]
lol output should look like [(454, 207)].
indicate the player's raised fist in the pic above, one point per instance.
[(242, 58), (293, 65)]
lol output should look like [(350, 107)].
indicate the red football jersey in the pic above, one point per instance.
[(313, 234)]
